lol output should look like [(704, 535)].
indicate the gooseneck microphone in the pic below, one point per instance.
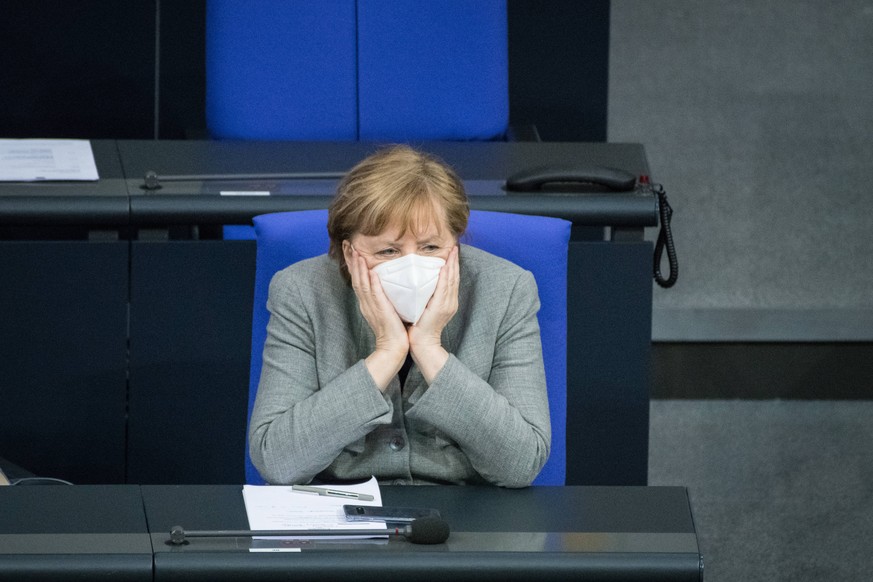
[(424, 530)]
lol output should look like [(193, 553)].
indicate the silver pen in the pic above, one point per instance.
[(332, 492)]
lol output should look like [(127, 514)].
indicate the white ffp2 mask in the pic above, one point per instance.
[(409, 283)]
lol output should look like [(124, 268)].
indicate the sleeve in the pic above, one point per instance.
[(501, 425), (299, 427)]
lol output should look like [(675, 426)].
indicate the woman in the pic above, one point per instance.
[(451, 391)]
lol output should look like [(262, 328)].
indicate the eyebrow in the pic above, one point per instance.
[(429, 239)]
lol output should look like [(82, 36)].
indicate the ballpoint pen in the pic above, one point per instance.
[(332, 492)]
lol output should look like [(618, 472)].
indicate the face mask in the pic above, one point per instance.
[(409, 283)]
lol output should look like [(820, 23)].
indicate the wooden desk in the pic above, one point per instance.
[(538, 533)]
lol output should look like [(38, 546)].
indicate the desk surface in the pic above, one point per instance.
[(483, 166), (58, 532), (552, 532), (95, 204), (120, 199), (557, 533)]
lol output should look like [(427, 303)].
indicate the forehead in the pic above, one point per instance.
[(423, 218), (417, 231)]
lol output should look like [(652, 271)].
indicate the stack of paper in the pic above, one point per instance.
[(32, 160), (278, 507)]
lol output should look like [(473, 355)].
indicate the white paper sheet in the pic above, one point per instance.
[(32, 160), (278, 507)]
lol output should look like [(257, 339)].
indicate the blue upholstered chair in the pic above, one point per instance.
[(538, 244), (346, 70)]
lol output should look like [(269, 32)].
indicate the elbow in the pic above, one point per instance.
[(259, 458), (282, 458), (270, 463), (523, 473), (519, 480), (516, 483)]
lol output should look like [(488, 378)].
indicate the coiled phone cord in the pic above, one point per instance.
[(665, 241)]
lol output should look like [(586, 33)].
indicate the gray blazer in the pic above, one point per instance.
[(318, 413)]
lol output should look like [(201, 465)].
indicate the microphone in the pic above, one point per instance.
[(424, 530)]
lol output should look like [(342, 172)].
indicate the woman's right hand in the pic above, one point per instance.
[(392, 341)]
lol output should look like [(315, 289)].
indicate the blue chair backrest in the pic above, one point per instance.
[(357, 70), (537, 243)]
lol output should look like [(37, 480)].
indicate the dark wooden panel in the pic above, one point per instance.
[(190, 336), (559, 67), (63, 338), (609, 307), (82, 69), (763, 370), (88, 69)]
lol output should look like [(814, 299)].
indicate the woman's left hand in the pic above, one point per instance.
[(425, 342)]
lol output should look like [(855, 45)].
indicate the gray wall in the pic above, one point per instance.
[(758, 119)]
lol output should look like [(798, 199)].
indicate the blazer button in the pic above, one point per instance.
[(397, 443)]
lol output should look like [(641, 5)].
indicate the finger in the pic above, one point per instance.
[(454, 267), (376, 289), (453, 281), (439, 304), (351, 255), (371, 290), (361, 273), (381, 300), (352, 266), (348, 249), (447, 285), (380, 306)]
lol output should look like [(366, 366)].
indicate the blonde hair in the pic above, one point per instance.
[(396, 186)]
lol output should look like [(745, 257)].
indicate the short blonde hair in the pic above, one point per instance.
[(396, 186)]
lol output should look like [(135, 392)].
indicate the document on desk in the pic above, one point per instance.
[(34, 160), (279, 507)]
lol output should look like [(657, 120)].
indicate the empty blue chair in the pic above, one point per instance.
[(435, 70), (536, 243), (348, 70), (281, 70)]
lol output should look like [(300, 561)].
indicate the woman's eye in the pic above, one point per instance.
[(430, 248), (386, 253)]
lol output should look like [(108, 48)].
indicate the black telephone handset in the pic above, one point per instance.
[(545, 178), (558, 179)]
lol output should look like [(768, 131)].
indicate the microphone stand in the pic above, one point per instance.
[(152, 181), (425, 530)]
